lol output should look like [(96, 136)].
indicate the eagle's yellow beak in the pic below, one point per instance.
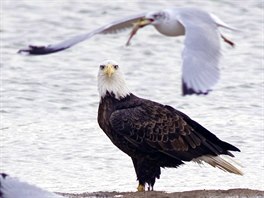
[(109, 70)]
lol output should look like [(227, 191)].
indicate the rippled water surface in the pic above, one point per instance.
[(49, 132)]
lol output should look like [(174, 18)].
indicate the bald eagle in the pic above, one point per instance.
[(152, 134)]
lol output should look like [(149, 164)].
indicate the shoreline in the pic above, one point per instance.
[(237, 192)]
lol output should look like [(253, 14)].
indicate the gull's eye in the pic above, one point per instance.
[(156, 16), (116, 66), (160, 15), (102, 67)]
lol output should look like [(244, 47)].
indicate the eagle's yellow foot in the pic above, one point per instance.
[(141, 188)]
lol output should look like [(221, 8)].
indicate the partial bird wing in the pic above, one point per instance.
[(153, 128), (13, 188), (221, 23), (201, 52), (112, 27)]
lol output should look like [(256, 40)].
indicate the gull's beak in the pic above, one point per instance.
[(109, 70), (137, 25), (143, 22)]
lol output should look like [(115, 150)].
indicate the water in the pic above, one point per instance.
[(49, 132)]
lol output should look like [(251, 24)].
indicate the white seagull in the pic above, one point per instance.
[(201, 53), (11, 187)]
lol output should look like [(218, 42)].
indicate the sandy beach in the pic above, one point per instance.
[(243, 192)]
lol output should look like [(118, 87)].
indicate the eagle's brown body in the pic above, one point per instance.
[(156, 135)]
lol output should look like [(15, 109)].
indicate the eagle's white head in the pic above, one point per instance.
[(111, 79)]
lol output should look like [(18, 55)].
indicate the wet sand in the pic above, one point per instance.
[(232, 193)]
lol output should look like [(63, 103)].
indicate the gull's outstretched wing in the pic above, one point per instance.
[(13, 188), (201, 52), (112, 27)]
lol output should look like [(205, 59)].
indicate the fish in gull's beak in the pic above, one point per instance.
[(139, 24)]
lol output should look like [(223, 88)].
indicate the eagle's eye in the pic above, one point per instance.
[(102, 67), (116, 66)]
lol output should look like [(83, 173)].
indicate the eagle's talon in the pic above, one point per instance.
[(141, 188)]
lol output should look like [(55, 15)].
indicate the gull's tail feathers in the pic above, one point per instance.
[(221, 23)]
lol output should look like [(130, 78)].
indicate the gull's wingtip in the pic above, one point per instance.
[(24, 51), (3, 175), (33, 50), (190, 91), (39, 50)]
